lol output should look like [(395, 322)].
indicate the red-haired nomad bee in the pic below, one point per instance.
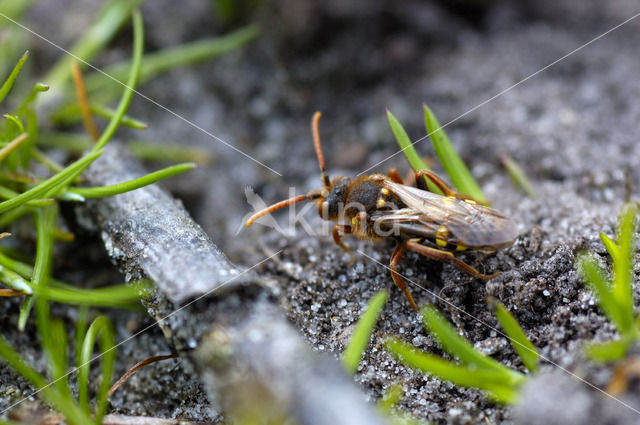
[(378, 206)]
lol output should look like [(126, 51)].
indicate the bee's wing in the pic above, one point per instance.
[(407, 221), (470, 223)]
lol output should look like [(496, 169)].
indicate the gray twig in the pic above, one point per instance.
[(224, 321)]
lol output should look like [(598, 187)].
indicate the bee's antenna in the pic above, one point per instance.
[(277, 206), (316, 143)]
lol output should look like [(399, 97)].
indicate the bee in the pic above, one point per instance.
[(381, 206)]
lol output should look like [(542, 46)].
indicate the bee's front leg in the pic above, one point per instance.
[(340, 230)]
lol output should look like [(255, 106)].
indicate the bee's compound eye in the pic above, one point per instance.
[(323, 210)]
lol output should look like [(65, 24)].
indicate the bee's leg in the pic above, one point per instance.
[(340, 230), (10, 293), (394, 176), (447, 257), (397, 255), (443, 186)]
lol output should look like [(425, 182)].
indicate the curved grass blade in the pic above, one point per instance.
[(115, 189), (100, 328), (52, 183), (132, 82), (362, 333)]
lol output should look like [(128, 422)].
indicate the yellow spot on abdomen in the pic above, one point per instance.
[(385, 191), (442, 234), (460, 246), (380, 203)]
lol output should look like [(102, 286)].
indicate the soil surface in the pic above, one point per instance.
[(535, 80)]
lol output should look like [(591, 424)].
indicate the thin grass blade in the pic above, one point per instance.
[(457, 346), (362, 334), (518, 176), (8, 84), (132, 82), (451, 161), (116, 189), (595, 277), (518, 339), (503, 386), (415, 161)]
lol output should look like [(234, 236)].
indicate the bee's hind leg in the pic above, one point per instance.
[(394, 176), (446, 256), (397, 255), (443, 186)]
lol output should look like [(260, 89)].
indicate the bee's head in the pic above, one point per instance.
[(331, 199)]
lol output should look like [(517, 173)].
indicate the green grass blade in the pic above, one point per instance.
[(623, 264), (611, 246), (390, 398), (362, 333), (63, 177), (110, 19), (14, 281), (103, 329), (387, 406), (164, 60), (457, 346), (71, 114), (82, 322), (451, 161), (45, 223), (518, 176), (33, 94), (117, 296), (154, 151), (503, 386), (25, 310), (610, 351), (6, 193), (58, 360), (14, 9), (409, 151), (69, 409), (132, 82), (596, 279), (8, 84), (115, 189), (525, 349)]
